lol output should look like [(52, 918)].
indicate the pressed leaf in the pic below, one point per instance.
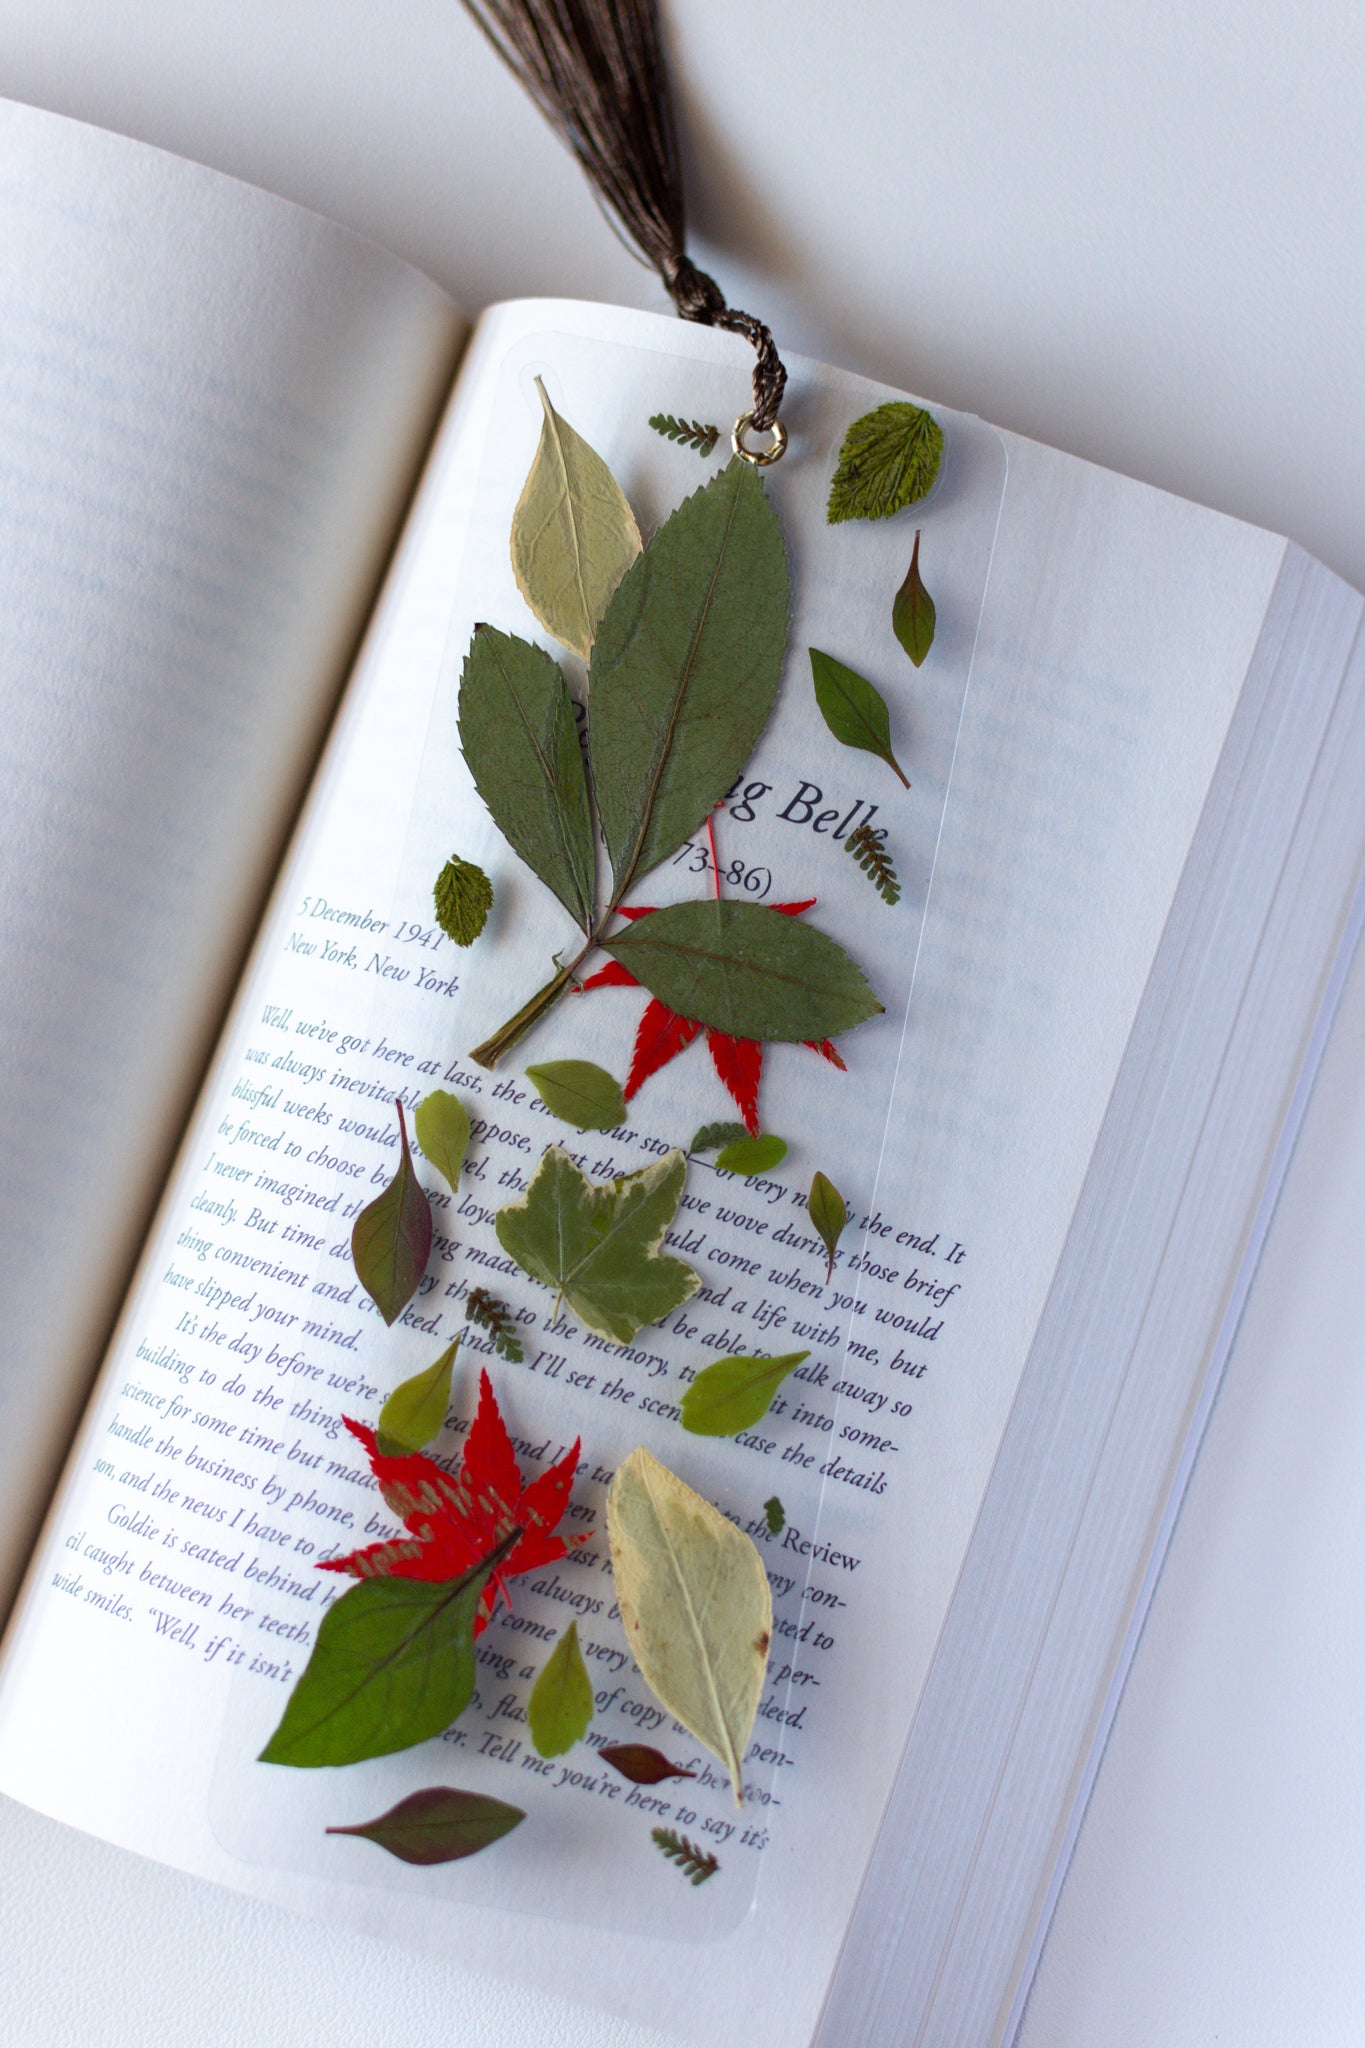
[(711, 1137), (391, 1238), (868, 847), (775, 1515), (890, 458), (685, 669), (912, 613), (735, 1393), (695, 1864), (695, 1602), (746, 969), (494, 1316), (579, 1093), (520, 742), (392, 1665), (748, 1155), (573, 534), (827, 1212), (691, 433), (597, 1242), (463, 896), (438, 1826), (560, 1707), (853, 710), (641, 1764), (416, 1409), (440, 1124)]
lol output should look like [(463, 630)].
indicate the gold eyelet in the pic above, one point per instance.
[(760, 457)]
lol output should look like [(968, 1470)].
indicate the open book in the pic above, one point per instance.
[(257, 481)]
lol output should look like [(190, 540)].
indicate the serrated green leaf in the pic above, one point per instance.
[(752, 1155), (746, 969), (438, 1826), (853, 710), (735, 1393), (685, 669), (463, 896), (520, 741), (573, 534), (695, 1603), (912, 613), (890, 457), (391, 1237), (597, 1243), (393, 1664), (440, 1125), (775, 1515), (579, 1093), (560, 1707), (711, 1137), (826, 1209), (416, 1409)]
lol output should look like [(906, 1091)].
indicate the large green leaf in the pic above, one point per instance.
[(438, 1825), (393, 1664), (597, 1242), (561, 1703), (573, 534), (890, 458), (853, 709), (746, 969), (518, 736), (685, 669)]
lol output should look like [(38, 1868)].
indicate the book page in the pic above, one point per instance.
[(179, 1569), (212, 404)]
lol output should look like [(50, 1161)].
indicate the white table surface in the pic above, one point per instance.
[(1135, 232)]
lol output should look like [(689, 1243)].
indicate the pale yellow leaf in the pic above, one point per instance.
[(573, 534), (696, 1604)]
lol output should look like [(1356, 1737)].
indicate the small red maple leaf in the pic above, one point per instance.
[(453, 1521), (662, 1034)]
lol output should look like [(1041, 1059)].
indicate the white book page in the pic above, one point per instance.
[(178, 1574), (212, 406)]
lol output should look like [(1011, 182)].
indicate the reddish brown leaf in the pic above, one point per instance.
[(641, 1764), (454, 1521)]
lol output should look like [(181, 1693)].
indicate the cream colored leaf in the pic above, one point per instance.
[(696, 1604), (573, 534)]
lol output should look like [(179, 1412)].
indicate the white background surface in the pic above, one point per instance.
[(1132, 231)]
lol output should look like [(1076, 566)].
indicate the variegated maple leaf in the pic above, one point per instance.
[(662, 1034), (454, 1521)]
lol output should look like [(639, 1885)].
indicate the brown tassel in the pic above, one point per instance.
[(596, 70)]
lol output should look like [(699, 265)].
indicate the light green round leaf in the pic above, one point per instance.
[(735, 1393), (752, 1155), (463, 896), (415, 1410), (581, 1094), (560, 1707), (890, 457), (440, 1124)]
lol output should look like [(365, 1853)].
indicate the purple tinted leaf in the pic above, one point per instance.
[(641, 1764), (391, 1240), (438, 1826)]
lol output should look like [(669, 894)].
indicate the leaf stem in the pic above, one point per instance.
[(492, 1050)]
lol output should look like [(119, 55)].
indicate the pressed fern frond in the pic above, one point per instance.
[(868, 848), (691, 433), (694, 1865), (494, 1316)]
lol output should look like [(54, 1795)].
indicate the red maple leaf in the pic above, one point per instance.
[(662, 1034), (453, 1521)]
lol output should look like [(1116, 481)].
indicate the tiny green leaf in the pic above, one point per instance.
[(438, 1825), (775, 1515), (463, 896), (746, 969), (579, 1093), (496, 1317), (641, 1764), (691, 433), (597, 1242), (520, 743), (573, 534), (696, 1864), (912, 614), (560, 1707), (416, 1409), (853, 710), (440, 1124), (735, 1393), (868, 847), (890, 458), (392, 1665), (828, 1213), (391, 1238), (711, 1137), (748, 1155)]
